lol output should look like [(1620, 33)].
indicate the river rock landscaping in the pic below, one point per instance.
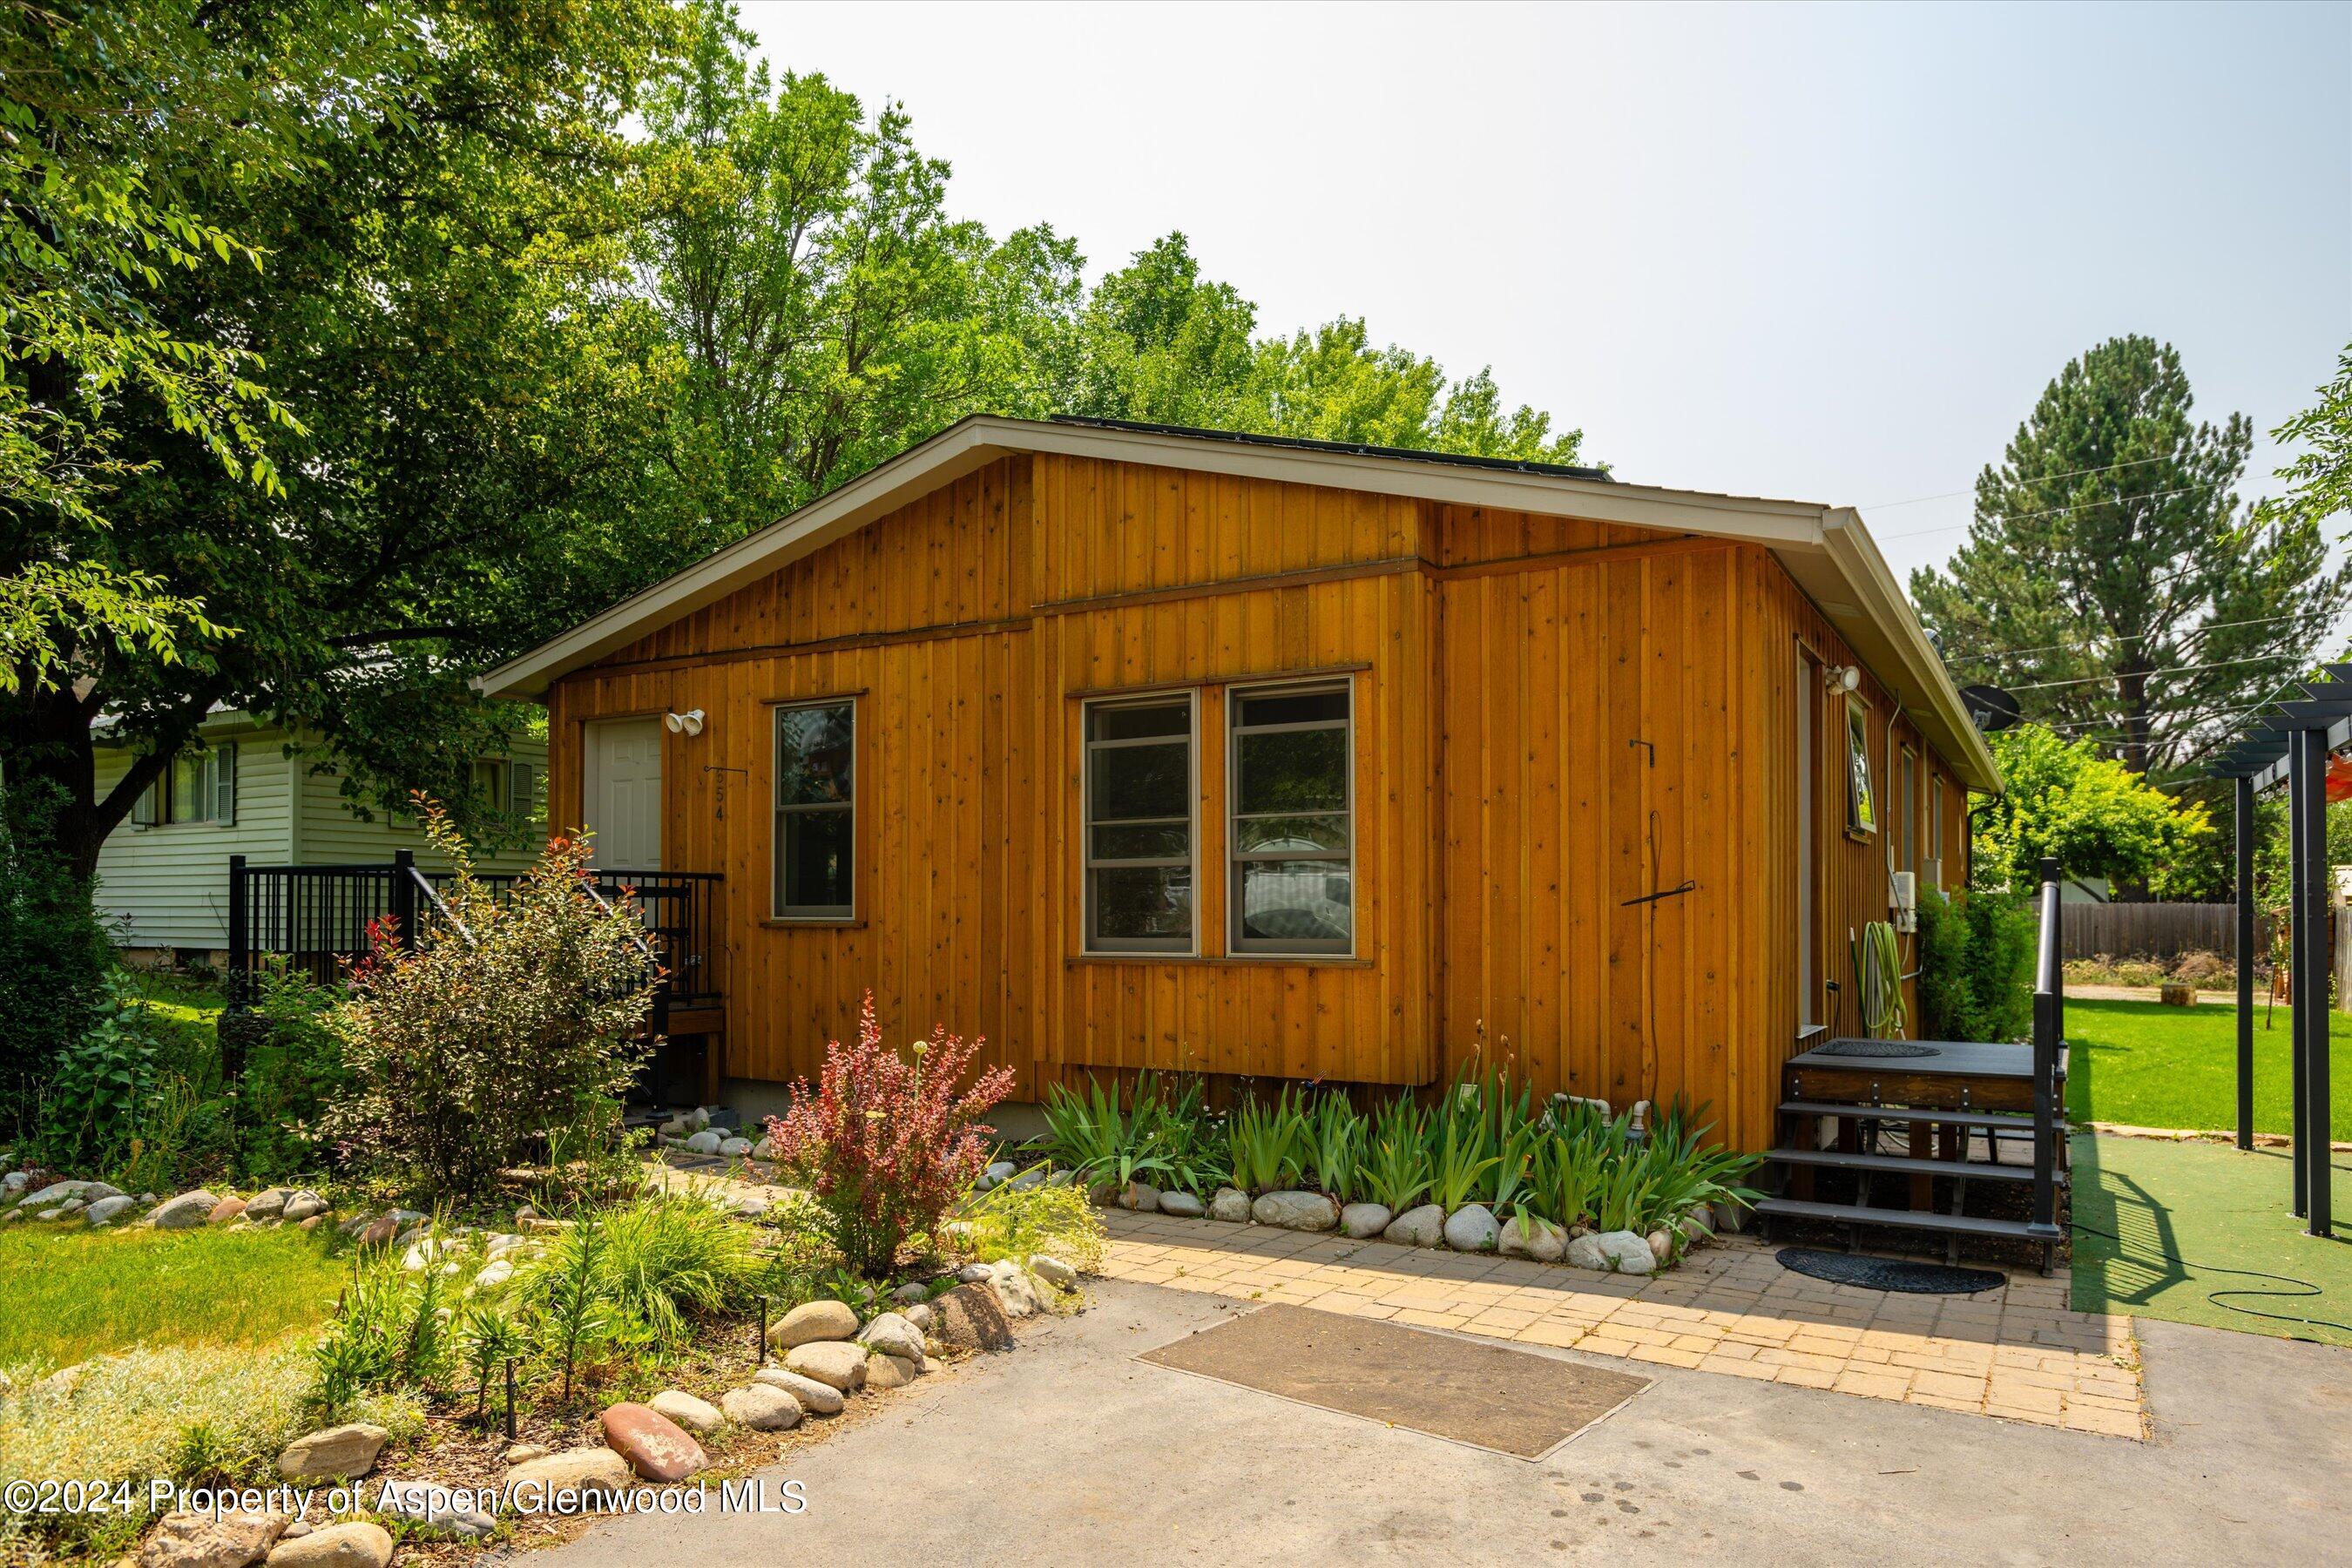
[(1484, 1168)]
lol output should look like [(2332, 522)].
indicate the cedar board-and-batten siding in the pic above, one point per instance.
[(166, 886), (1500, 666)]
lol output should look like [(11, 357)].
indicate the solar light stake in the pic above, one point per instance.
[(511, 1426)]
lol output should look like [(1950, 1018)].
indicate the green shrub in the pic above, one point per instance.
[(515, 1017), (669, 1258), (1052, 1218), (293, 1072), (1976, 966)]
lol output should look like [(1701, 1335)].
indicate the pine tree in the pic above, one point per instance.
[(2110, 579)]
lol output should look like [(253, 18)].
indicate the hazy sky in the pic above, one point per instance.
[(1825, 253)]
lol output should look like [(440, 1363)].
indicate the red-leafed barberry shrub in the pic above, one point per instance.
[(886, 1142)]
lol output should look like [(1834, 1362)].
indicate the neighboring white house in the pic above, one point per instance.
[(163, 876)]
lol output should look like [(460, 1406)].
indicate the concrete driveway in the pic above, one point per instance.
[(1070, 1451)]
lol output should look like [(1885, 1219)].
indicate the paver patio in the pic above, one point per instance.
[(2016, 1351)]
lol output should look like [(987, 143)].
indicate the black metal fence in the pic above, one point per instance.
[(316, 919)]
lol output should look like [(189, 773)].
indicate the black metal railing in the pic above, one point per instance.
[(317, 920), (2049, 1052)]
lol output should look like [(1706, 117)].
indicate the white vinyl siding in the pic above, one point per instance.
[(167, 885)]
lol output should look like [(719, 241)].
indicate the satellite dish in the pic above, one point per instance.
[(1992, 709)]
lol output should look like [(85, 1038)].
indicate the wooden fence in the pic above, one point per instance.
[(2153, 930)]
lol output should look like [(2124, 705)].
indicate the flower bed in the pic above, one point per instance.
[(1485, 1168)]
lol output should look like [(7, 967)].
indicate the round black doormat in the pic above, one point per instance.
[(1876, 1049), (1888, 1273)]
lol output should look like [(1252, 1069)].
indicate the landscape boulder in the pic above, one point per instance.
[(433, 1508), (1614, 1251), (1140, 1196), (337, 1453), (1183, 1205), (358, 1544), (1297, 1211), (106, 1210), (765, 1406), (704, 1142), (1423, 1227), (1229, 1203), (228, 1209), (1014, 1289), (184, 1211), (1363, 1221), (1052, 1270), (811, 1322), (892, 1334), (834, 1362), (1524, 1236), (816, 1398), (1662, 1246), (202, 1540), (572, 1479), (698, 1416), (302, 1206), (656, 1447), (1472, 1228), (890, 1372), (971, 1317), (268, 1203)]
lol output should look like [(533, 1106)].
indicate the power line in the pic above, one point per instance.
[(2152, 675), (2145, 637), (2038, 478), (2049, 511)]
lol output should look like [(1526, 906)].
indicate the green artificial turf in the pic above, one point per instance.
[(73, 1294), (2146, 1065), (2200, 1224)]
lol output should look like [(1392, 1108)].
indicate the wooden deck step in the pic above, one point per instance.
[(2000, 1121), (1905, 1165), (1905, 1220)]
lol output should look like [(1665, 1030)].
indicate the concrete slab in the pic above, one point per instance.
[(1072, 1451)]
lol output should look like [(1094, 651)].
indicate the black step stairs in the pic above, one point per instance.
[(1907, 1164), (1999, 1120), (1906, 1220)]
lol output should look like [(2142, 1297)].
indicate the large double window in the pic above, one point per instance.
[(1292, 840), (816, 812), (1139, 792), (199, 786)]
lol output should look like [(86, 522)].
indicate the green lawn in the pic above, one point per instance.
[(2191, 1230), (73, 1294), (2147, 1065)]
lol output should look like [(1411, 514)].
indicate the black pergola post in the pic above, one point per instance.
[(2246, 831), (2311, 1133), (2299, 836)]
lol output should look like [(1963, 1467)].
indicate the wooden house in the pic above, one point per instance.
[(1130, 747)]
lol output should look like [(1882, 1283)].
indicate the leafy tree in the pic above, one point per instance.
[(433, 286), (2109, 578), (2319, 480), (2096, 815), (830, 309)]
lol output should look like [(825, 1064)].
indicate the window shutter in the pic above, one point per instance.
[(224, 782)]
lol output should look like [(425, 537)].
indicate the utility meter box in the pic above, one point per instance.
[(1905, 900)]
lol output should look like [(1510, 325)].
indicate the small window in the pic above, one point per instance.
[(522, 790), (1861, 806), (198, 786), (1293, 844), (1140, 796), (816, 812), (1936, 830)]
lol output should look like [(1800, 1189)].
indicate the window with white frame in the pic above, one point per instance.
[(1291, 804), (1140, 789), (198, 786), (816, 811)]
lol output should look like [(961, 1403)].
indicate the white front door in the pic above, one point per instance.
[(622, 792)]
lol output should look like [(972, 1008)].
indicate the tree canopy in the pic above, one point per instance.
[(2110, 578), (2066, 799)]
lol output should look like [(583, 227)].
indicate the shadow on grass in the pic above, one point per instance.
[(2140, 1259)]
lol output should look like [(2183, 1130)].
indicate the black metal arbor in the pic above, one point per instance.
[(2290, 743)]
